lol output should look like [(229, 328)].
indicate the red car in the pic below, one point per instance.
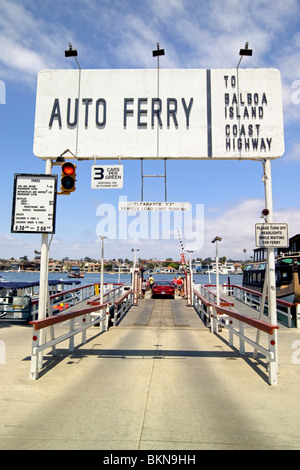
[(163, 288)]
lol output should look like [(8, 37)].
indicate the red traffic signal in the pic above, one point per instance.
[(68, 177), (265, 212)]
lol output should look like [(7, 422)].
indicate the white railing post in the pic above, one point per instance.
[(34, 366), (71, 341), (242, 342), (273, 361), (297, 315), (106, 317), (83, 336)]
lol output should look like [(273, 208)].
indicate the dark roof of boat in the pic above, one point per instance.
[(22, 285)]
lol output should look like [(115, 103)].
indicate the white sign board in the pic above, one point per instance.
[(34, 203), (271, 235), (199, 114), (107, 177), (154, 206)]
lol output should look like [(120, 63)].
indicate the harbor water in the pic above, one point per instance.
[(114, 278)]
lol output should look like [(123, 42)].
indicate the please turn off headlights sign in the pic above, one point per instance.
[(271, 235), (198, 114)]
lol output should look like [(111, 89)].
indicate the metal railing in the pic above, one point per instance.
[(65, 299), (75, 322), (39, 343), (220, 316), (285, 310)]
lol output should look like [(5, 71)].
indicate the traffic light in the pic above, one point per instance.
[(68, 178), (265, 213)]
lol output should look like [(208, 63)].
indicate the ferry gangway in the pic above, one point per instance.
[(287, 313), (222, 316), (74, 322)]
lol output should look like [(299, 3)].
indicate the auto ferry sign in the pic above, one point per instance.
[(199, 114)]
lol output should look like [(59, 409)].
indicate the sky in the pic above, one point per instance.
[(226, 197)]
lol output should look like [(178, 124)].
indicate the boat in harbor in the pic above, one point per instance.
[(17, 297), (287, 271), (76, 272)]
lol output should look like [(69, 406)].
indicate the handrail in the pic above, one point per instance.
[(259, 324), (253, 298), (82, 291), (217, 316), (251, 291), (76, 289), (123, 297), (202, 298), (86, 319), (60, 317), (95, 301), (270, 352)]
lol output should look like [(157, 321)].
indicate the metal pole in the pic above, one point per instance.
[(102, 269), (270, 251), (165, 180), (272, 310), (217, 273), (43, 290), (142, 182), (191, 270)]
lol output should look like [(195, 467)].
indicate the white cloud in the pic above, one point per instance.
[(235, 224)]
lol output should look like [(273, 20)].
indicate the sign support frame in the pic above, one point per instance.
[(43, 290), (271, 278)]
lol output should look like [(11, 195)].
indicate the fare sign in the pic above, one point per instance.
[(34, 203), (271, 235), (198, 114)]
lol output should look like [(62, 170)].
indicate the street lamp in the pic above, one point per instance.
[(216, 240), (244, 52), (135, 250), (191, 270), (72, 53), (102, 238)]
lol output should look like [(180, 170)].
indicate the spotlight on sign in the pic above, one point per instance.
[(68, 178), (246, 51), (158, 51), (70, 52)]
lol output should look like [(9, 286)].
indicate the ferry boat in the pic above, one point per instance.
[(16, 298), (76, 272), (227, 268), (287, 270)]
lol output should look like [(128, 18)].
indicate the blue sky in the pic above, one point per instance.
[(121, 34)]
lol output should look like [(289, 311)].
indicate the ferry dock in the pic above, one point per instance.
[(159, 380)]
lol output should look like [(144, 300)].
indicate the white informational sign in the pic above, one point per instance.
[(271, 235), (34, 203), (199, 114), (154, 206), (107, 177)]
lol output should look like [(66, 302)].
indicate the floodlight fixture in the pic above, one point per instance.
[(158, 51), (70, 52), (246, 50), (216, 239)]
